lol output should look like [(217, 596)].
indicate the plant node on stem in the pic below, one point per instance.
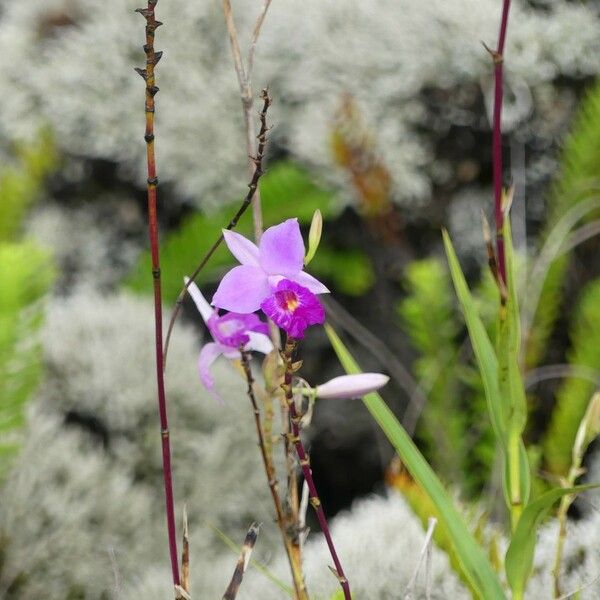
[(152, 58), (294, 438)]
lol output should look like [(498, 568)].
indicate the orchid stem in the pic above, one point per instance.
[(252, 189), (296, 567), (152, 58), (498, 59), (288, 360)]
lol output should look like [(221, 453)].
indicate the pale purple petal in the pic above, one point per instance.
[(259, 342), (310, 283), (242, 248), (231, 353), (204, 308), (242, 289), (208, 355), (282, 249), (352, 386)]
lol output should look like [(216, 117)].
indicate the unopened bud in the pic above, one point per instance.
[(314, 236), (351, 386)]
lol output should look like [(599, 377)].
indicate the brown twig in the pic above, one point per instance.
[(252, 190), (244, 75), (294, 437), (242, 563), (152, 58), (298, 580)]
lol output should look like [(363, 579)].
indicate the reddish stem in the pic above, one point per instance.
[(498, 57), (288, 358), (152, 58)]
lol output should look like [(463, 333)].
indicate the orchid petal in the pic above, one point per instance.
[(282, 249), (259, 342), (242, 248), (352, 386), (242, 290), (310, 283), (208, 355), (204, 308)]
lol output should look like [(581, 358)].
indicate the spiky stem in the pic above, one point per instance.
[(252, 189), (152, 58), (498, 58), (290, 368), (298, 580)]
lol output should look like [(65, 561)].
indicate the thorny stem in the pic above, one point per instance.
[(288, 360), (244, 75), (252, 190), (152, 58), (299, 584), (498, 58)]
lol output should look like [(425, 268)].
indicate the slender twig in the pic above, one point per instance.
[(252, 190), (244, 75), (152, 58), (401, 375), (242, 563), (298, 580), (561, 371), (425, 553), (498, 59), (294, 437)]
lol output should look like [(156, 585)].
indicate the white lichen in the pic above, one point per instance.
[(68, 63)]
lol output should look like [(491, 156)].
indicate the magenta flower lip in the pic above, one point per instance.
[(294, 308), (279, 255), (230, 332)]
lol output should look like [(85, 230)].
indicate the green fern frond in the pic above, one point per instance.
[(578, 180), (573, 396), (25, 275), (20, 184)]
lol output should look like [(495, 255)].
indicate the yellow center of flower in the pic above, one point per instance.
[(289, 301)]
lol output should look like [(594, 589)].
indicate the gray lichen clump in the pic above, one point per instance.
[(83, 504), (79, 59)]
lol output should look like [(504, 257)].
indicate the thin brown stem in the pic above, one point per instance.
[(244, 75), (296, 567), (152, 58), (252, 189), (290, 368)]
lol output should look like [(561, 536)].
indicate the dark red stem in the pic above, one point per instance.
[(152, 58), (288, 358), (498, 57)]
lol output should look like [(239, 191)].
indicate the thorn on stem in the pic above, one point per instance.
[(141, 72), (496, 56)]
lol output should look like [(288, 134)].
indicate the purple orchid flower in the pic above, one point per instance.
[(279, 255), (293, 307), (230, 331)]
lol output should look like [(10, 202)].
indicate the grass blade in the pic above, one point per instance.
[(475, 565)]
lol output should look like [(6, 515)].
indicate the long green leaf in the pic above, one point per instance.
[(474, 563), (519, 556), (482, 347)]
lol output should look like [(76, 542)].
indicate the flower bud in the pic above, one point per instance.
[(351, 386), (314, 236)]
